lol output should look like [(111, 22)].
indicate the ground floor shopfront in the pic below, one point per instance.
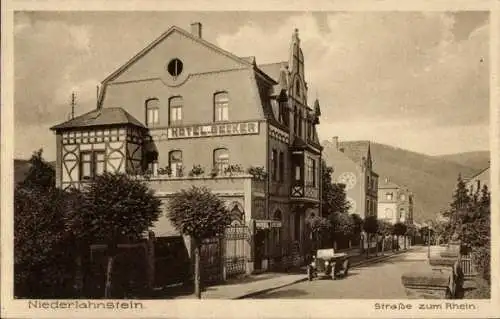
[(265, 233)]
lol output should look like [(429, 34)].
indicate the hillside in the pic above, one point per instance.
[(431, 179), (21, 168), (476, 160)]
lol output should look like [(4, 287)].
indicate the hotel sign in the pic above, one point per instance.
[(266, 224), (243, 128)]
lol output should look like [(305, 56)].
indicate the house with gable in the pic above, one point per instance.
[(186, 112), (352, 166)]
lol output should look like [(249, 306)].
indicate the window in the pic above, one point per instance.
[(175, 67), (152, 111), (175, 106), (281, 165), (299, 133), (297, 173), (221, 107), (402, 197), (175, 163), (221, 160), (314, 173), (388, 196), (401, 213), (310, 172), (368, 212), (274, 164), (297, 87), (296, 120), (296, 225), (92, 164), (150, 161)]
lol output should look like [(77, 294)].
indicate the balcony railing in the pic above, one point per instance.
[(235, 184)]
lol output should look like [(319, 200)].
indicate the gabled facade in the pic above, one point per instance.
[(395, 203), (478, 181), (352, 166), (199, 115)]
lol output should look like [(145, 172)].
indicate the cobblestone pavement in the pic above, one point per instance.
[(379, 280)]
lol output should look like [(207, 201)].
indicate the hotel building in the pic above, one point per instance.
[(186, 112)]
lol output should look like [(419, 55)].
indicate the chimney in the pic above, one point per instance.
[(196, 29), (335, 141)]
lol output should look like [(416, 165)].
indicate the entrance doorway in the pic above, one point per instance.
[(260, 238)]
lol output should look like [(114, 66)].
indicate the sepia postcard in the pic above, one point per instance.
[(258, 160)]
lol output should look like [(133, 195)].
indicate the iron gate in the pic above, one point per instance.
[(236, 247)]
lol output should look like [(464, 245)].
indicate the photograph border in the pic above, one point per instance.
[(345, 308)]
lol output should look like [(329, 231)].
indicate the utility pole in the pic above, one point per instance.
[(73, 102)]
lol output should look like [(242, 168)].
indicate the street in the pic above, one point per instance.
[(379, 280)]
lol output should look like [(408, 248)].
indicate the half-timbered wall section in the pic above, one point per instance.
[(90, 152)]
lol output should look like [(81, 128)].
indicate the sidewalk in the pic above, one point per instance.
[(261, 283)]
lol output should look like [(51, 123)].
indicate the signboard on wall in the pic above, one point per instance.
[(242, 128), (266, 224)]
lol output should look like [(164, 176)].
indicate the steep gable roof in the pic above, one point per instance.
[(355, 150), (273, 70), (244, 61), (477, 174), (330, 153), (387, 183), (100, 117)]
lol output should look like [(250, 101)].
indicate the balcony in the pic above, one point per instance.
[(305, 193), (231, 185)]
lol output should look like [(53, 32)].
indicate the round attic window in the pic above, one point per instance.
[(174, 67)]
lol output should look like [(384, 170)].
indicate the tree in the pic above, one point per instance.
[(459, 207), (113, 209), (370, 226), (411, 231), (475, 231), (384, 229), (333, 195), (357, 225), (40, 173), (318, 226), (200, 214), (41, 267), (341, 225), (399, 230)]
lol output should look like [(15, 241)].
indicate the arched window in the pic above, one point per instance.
[(236, 216), (295, 119), (175, 106), (221, 160), (152, 112), (297, 87), (221, 107), (175, 163)]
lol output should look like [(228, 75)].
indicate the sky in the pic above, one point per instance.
[(414, 80)]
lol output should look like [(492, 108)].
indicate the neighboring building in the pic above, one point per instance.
[(183, 102), (352, 166), (479, 180), (395, 203)]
